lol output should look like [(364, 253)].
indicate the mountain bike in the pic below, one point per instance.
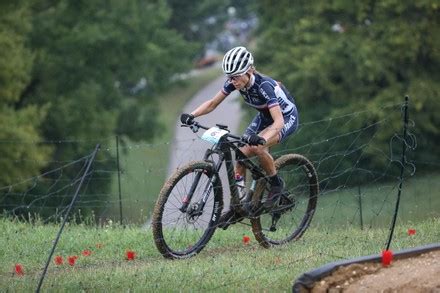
[(188, 209)]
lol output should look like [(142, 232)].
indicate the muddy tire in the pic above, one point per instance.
[(181, 233), (301, 184)]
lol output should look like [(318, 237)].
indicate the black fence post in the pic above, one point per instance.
[(119, 179), (402, 168), (72, 203), (360, 207)]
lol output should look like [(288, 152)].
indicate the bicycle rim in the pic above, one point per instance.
[(301, 184), (180, 234)]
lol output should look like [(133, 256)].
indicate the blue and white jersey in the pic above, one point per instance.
[(263, 94)]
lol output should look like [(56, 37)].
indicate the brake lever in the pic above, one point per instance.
[(194, 127), (261, 141)]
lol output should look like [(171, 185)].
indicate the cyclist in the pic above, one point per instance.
[(277, 117)]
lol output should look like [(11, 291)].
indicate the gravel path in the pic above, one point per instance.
[(187, 146)]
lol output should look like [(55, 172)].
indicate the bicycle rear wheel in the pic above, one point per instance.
[(296, 210), (180, 229)]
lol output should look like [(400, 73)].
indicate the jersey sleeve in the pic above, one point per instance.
[(228, 88), (267, 90)]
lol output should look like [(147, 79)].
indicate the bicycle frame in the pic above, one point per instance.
[(181, 234), (224, 151)]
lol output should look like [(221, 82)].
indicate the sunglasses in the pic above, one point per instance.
[(236, 77)]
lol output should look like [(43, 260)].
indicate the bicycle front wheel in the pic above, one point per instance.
[(181, 225), (291, 218)]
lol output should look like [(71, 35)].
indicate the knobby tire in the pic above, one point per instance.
[(176, 234), (302, 185)]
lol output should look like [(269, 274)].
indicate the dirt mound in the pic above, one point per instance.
[(414, 274), (414, 270)]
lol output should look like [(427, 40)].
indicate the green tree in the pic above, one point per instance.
[(198, 21), (17, 161), (95, 68), (340, 57), (90, 58)]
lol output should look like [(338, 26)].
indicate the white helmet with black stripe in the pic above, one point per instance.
[(237, 61)]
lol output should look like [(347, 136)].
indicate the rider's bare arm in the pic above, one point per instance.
[(209, 105), (270, 134)]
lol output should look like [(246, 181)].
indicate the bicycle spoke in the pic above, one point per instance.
[(296, 211), (181, 232)]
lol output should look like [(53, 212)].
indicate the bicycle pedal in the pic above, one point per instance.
[(223, 221)]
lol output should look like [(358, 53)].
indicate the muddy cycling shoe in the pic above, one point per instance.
[(229, 218), (274, 196)]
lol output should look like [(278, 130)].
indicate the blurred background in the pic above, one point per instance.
[(74, 74)]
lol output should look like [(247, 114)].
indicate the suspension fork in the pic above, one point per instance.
[(209, 185)]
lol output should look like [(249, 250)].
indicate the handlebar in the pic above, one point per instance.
[(196, 125)]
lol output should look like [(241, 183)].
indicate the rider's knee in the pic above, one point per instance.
[(258, 150), (239, 166)]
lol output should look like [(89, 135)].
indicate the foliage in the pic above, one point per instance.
[(98, 55), (340, 57), (198, 20), (84, 71), (22, 124)]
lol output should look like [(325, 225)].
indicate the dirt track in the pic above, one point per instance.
[(414, 274)]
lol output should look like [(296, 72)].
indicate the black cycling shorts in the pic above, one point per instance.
[(260, 122)]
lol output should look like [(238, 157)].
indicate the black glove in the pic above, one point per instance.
[(187, 119), (253, 139)]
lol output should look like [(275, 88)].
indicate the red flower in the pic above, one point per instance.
[(72, 260), (58, 260), (86, 252), (387, 257), (411, 232), (246, 240), (19, 270), (130, 255)]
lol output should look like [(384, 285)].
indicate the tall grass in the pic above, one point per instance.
[(226, 264)]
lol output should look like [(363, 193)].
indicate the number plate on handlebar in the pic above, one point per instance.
[(213, 134)]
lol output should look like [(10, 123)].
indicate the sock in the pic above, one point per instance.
[(238, 177)]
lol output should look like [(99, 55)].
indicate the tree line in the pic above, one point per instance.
[(341, 57), (85, 71)]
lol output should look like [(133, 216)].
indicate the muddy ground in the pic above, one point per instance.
[(413, 274)]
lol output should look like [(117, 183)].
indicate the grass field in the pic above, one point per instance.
[(226, 264), (419, 199)]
